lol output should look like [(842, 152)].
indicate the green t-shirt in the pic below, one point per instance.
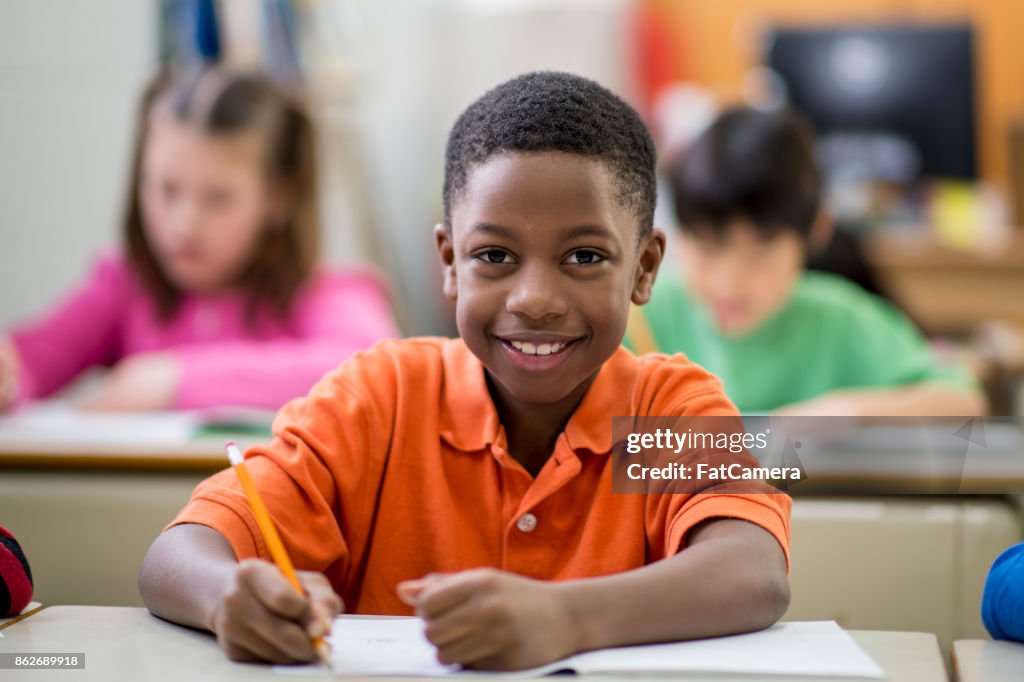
[(830, 335)]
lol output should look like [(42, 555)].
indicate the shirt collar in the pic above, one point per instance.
[(469, 420)]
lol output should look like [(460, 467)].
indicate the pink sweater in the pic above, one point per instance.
[(222, 361)]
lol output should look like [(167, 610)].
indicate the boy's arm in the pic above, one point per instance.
[(184, 574), (204, 570), (884, 366), (731, 578), (925, 398), (190, 576)]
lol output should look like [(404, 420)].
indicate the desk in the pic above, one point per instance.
[(96, 509), (976, 660), (119, 643), (909, 562), (31, 608), (912, 563), (950, 291)]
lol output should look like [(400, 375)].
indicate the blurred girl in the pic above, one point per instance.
[(216, 297)]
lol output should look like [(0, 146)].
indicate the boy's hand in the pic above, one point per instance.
[(260, 616), (148, 381), (490, 619)]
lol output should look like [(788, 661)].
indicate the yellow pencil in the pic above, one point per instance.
[(270, 536)]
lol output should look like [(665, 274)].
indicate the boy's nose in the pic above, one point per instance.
[(728, 279), (536, 295)]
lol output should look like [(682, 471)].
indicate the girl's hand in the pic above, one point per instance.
[(147, 381), (8, 373), (491, 619), (260, 616)]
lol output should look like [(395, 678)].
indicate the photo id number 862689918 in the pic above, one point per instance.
[(41, 661)]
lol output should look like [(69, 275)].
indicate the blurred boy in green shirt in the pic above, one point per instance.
[(782, 339)]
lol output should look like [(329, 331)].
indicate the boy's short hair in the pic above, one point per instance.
[(552, 111), (756, 165)]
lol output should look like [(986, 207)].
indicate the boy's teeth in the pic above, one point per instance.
[(537, 349)]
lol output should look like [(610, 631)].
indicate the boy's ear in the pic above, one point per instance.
[(652, 250), (446, 251)]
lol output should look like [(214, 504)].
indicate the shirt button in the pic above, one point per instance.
[(526, 523)]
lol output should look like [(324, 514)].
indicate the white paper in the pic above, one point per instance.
[(378, 646), (819, 648), (397, 647), (60, 423), (232, 416)]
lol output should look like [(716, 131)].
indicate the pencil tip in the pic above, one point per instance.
[(323, 650)]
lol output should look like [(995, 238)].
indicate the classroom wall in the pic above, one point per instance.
[(719, 44), (69, 113), (420, 64), (69, 75)]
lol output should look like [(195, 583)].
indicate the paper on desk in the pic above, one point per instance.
[(383, 646), (59, 422), (819, 648), (397, 647)]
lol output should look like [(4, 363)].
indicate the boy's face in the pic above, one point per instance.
[(740, 275), (542, 261)]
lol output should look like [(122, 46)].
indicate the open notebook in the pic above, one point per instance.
[(55, 423), (365, 646)]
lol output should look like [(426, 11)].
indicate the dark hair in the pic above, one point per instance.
[(220, 101), (552, 111), (750, 164)]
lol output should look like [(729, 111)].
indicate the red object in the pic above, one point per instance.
[(659, 54), (15, 576)]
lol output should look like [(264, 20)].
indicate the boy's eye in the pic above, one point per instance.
[(585, 257), (495, 256)]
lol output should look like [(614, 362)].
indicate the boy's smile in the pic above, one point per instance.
[(542, 260), (536, 352)]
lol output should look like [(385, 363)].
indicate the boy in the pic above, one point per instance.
[(783, 339), (456, 479)]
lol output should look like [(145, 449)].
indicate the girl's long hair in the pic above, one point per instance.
[(216, 101)]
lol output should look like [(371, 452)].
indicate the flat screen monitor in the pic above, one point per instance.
[(896, 101)]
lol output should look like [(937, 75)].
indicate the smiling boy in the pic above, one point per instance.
[(468, 481)]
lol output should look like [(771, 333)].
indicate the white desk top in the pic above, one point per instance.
[(130, 644), (977, 660)]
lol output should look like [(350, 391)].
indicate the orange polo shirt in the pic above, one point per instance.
[(395, 465)]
